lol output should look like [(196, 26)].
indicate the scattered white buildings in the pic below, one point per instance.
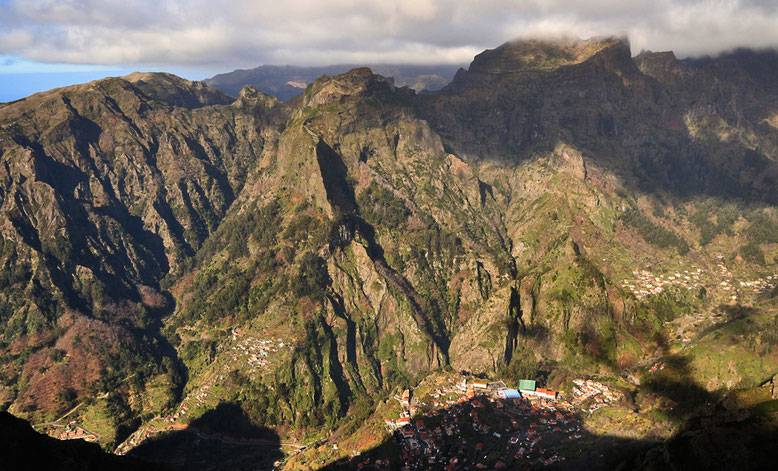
[(589, 389), (246, 353), (648, 284)]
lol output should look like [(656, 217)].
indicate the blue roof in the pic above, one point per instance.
[(511, 394)]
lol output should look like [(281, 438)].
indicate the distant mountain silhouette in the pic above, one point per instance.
[(287, 81)]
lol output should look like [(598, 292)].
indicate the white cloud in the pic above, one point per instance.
[(245, 33)]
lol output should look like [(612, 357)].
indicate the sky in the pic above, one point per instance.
[(48, 43)]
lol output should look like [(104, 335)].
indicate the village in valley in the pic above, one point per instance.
[(720, 283), (447, 422), (467, 423), (452, 421), (647, 283)]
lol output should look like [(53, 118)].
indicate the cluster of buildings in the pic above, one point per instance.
[(731, 288), (73, 432), (252, 353), (761, 285), (646, 283), (482, 425), (600, 394), (194, 400), (659, 366), (528, 388), (726, 284), (247, 354), (201, 395)]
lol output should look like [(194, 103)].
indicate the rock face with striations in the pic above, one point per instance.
[(592, 95), (106, 188), (387, 234)]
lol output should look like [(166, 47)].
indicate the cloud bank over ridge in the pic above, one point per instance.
[(246, 33)]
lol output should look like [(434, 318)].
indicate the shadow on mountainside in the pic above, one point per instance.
[(716, 431), (223, 438), (22, 448), (538, 445), (654, 133), (710, 432), (341, 195)]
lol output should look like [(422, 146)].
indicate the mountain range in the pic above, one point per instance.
[(181, 267), (286, 82)]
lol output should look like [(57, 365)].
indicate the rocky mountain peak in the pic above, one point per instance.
[(154, 243), (358, 82), (529, 57), (544, 54), (663, 66), (176, 91), (250, 96), (615, 53)]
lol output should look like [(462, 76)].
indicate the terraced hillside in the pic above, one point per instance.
[(560, 211)]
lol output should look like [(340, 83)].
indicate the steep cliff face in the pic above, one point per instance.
[(375, 320), (522, 99), (106, 188), (430, 260), (380, 234)]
